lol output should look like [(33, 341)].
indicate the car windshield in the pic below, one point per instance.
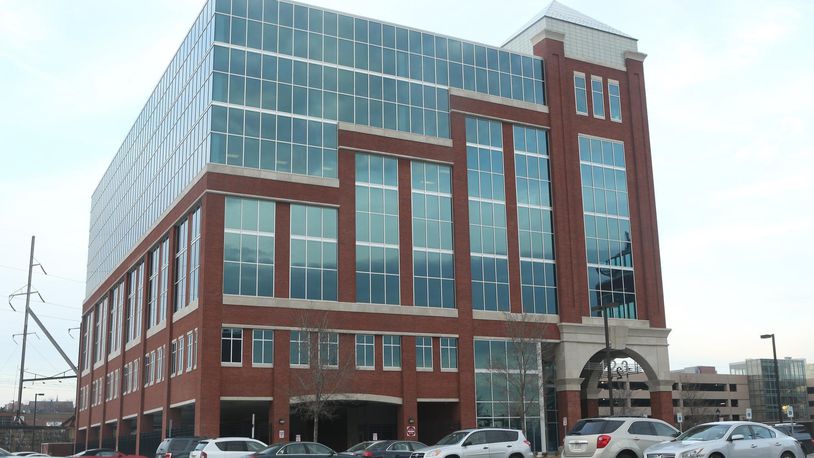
[(453, 438), (360, 446), (709, 432)]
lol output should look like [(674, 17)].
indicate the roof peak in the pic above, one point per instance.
[(559, 11)]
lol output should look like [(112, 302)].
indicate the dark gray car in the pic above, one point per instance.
[(176, 447)]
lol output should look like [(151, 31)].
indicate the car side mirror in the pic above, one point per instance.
[(736, 437), (676, 434), (466, 444)]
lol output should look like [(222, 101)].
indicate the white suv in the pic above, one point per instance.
[(227, 447), (479, 443), (615, 437)]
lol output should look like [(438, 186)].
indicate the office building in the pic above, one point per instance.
[(410, 219)]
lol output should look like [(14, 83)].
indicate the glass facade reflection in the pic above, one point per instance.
[(607, 226), (487, 215), (313, 253), (248, 247), (538, 275)]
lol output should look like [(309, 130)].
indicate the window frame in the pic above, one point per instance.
[(367, 348), (584, 93), (597, 102), (421, 348), (262, 340), (617, 98), (388, 364), (232, 340)]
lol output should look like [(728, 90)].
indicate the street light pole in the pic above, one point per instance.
[(34, 420), (604, 310), (776, 377)]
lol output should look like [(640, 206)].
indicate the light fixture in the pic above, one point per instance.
[(281, 421), (410, 420)]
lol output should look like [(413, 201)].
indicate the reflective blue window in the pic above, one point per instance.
[(248, 247), (313, 253), (607, 226), (433, 260), (377, 230), (487, 215), (534, 220)]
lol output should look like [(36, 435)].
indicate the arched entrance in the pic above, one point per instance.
[(580, 367)]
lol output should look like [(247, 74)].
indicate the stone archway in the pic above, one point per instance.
[(579, 364)]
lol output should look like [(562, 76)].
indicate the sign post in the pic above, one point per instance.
[(680, 420)]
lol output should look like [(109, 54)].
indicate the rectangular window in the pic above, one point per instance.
[(100, 316), (299, 348), (433, 259), (449, 353), (263, 346), (181, 240), (377, 230), (148, 372), (180, 360), (165, 272), (607, 226), (580, 93), (126, 379), (365, 351), (195, 357), (598, 97), (153, 286), (248, 260), (173, 357), (423, 352), (231, 345), (115, 319), (136, 381), (313, 253), (535, 221), (329, 349), (190, 350), (159, 364), (134, 305), (487, 215), (391, 352), (85, 344), (195, 255), (615, 99)]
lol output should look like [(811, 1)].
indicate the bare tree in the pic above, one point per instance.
[(523, 366), (323, 375), (695, 407)]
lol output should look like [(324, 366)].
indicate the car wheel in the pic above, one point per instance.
[(716, 455), (787, 455), (626, 454), (516, 455)]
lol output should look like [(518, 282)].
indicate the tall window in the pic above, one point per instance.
[(329, 349), (262, 346), (159, 364), (391, 352), (597, 96), (173, 357), (195, 255), (615, 100), (248, 260), (580, 93), (377, 230), (231, 345), (99, 315), (115, 332), (433, 260), (607, 226), (423, 352), (134, 303), (153, 286), (449, 353), (534, 218), (487, 215), (87, 327), (313, 253), (148, 369), (365, 351), (190, 349), (165, 278), (181, 239), (299, 348), (179, 362)]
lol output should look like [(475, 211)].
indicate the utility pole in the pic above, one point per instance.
[(25, 332)]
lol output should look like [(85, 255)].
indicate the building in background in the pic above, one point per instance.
[(763, 390), (424, 230)]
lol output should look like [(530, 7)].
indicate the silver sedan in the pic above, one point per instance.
[(730, 439)]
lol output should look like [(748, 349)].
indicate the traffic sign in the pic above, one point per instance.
[(411, 431), (680, 417), (749, 414), (790, 411)]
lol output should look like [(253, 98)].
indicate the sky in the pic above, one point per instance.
[(729, 100)]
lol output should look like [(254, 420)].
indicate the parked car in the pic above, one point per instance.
[(4, 452), (176, 447), (390, 449), (615, 437), (358, 448), (24, 453), (226, 447), (295, 450), (798, 432), (479, 443), (97, 452), (730, 439)]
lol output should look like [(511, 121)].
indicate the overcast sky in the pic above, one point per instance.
[(730, 106)]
